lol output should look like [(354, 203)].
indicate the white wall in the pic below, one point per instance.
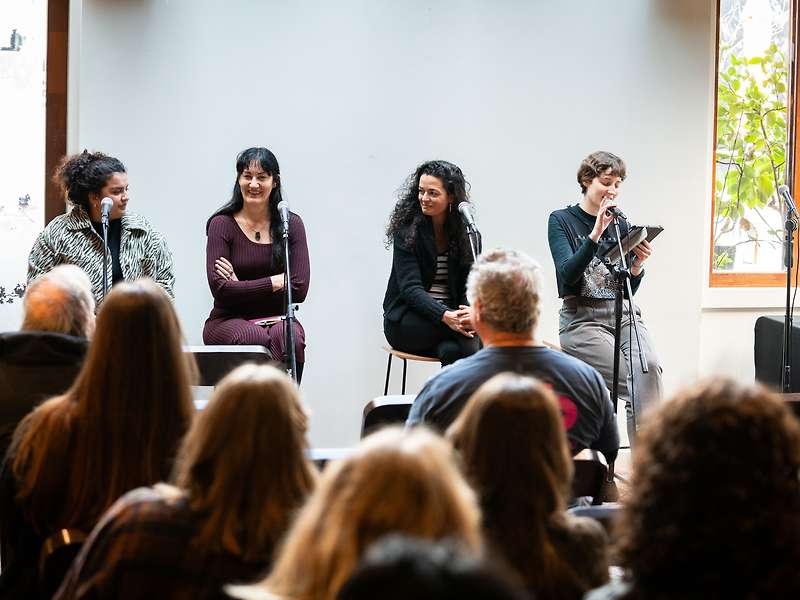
[(352, 95)]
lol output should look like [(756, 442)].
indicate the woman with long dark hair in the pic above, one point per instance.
[(245, 262), (117, 427), (135, 249), (240, 475), (425, 308), (513, 446)]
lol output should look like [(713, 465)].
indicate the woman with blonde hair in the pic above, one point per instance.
[(395, 482), (240, 475), (513, 445), (117, 428)]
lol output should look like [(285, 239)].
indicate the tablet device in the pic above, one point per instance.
[(636, 235)]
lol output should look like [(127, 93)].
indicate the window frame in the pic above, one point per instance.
[(753, 279), (56, 103)]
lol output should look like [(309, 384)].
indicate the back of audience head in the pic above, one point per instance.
[(511, 440), (60, 301), (243, 461), (505, 286), (119, 425), (715, 496), (399, 567), (396, 481)]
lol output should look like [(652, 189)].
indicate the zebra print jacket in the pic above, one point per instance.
[(71, 239)]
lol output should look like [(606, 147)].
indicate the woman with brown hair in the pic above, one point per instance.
[(714, 509), (395, 482), (115, 429), (240, 474), (513, 446)]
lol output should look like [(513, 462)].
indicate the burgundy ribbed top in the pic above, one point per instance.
[(252, 297)]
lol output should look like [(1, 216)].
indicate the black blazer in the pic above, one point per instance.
[(413, 270)]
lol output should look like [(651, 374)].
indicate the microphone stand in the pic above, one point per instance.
[(104, 222), (288, 320), (623, 275), (474, 241), (786, 370)]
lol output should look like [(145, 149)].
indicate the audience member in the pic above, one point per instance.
[(115, 429), (240, 474), (714, 510), (43, 358), (399, 568), (511, 440), (396, 481), (503, 289)]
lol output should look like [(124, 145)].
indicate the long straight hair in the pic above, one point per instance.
[(243, 463), (513, 447), (119, 425), (396, 482), (266, 159)]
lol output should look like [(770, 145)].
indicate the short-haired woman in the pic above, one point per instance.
[(579, 236)]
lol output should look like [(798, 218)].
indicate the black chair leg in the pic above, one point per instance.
[(388, 372), (405, 365)]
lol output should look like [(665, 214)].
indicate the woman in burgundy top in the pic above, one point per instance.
[(245, 261)]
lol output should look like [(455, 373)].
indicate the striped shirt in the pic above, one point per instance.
[(440, 290)]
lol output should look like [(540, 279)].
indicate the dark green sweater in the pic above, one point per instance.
[(571, 261)]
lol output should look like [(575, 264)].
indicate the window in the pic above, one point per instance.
[(752, 155)]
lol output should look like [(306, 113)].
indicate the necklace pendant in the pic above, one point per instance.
[(258, 236)]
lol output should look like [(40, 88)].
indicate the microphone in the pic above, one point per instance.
[(105, 207), (283, 211), (465, 208), (787, 197), (616, 212)]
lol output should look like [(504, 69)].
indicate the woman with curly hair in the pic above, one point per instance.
[(117, 428), (396, 482), (513, 447), (240, 475), (425, 308), (135, 249), (715, 505)]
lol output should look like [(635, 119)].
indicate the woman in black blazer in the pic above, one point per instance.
[(425, 309)]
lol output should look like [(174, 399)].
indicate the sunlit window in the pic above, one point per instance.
[(751, 144)]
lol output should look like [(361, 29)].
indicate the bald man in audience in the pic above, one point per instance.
[(42, 359), (503, 290)]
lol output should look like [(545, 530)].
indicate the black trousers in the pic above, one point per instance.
[(417, 335)]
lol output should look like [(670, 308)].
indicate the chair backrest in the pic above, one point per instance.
[(591, 470), (58, 552), (604, 514), (214, 362), (385, 410)]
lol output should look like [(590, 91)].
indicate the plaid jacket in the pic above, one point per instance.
[(142, 547), (71, 239)]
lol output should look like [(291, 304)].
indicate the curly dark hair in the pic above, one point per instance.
[(715, 504), (407, 214), (85, 173), (598, 163)]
